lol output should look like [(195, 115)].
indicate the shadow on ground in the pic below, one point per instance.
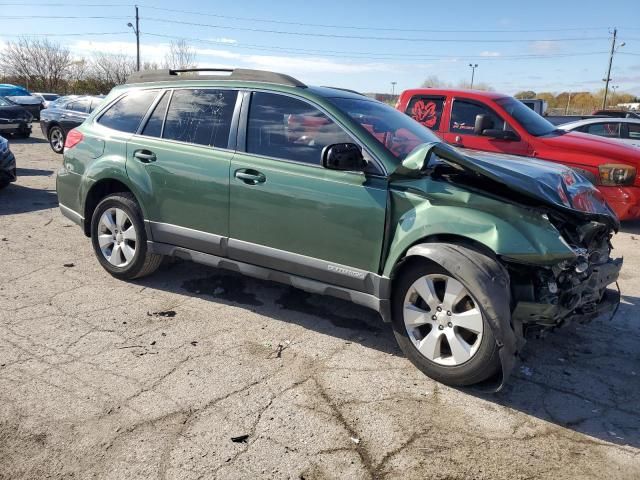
[(27, 141), (630, 227), (33, 172), (20, 199), (583, 377)]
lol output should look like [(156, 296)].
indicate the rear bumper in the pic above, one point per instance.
[(625, 201), (15, 127)]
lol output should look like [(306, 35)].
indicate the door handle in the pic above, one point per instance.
[(250, 177), (145, 156)]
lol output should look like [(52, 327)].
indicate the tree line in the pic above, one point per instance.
[(41, 65), (577, 103)]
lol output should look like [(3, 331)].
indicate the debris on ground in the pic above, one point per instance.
[(165, 313), (240, 439), (194, 343), (69, 265), (355, 440)]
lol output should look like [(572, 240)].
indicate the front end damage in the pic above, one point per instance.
[(569, 291)]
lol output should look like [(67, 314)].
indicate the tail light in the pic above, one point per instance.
[(74, 137)]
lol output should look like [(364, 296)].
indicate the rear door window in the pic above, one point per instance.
[(79, 106), (426, 110), (200, 116), (126, 114), (463, 117), (604, 129), (634, 130), (153, 128)]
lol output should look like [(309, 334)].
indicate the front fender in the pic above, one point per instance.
[(508, 230)]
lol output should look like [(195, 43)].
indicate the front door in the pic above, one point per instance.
[(181, 157), (461, 124), (289, 213)]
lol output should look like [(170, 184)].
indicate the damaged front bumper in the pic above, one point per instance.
[(578, 298)]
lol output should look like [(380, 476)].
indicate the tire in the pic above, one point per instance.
[(56, 139), (23, 134), (443, 366), (121, 256)]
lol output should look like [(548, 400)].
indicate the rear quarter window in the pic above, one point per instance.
[(126, 114), (426, 110)]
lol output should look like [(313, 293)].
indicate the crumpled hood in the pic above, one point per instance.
[(608, 148), (548, 183), (25, 100)]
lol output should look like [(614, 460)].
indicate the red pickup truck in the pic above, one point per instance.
[(494, 122)]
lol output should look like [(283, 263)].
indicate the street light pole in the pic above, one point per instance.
[(608, 79), (613, 95), (136, 30), (393, 88), (473, 71)]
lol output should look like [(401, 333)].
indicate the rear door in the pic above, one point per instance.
[(289, 213), (181, 158), (428, 110), (462, 122)]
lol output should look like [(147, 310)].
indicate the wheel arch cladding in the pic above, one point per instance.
[(489, 281), (97, 192)]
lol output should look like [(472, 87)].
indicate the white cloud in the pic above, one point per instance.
[(488, 53), (544, 46), (224, 40)]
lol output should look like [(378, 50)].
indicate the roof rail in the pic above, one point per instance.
[(242, 74)]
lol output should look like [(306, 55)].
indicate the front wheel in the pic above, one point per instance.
[(441, 326), (119, 238)]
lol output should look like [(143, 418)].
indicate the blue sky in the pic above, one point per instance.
[(365, 45)]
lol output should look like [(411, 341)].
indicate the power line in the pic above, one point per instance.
[(353, 27), (59, 34), (367, 55), (15, 17), (363, 37)]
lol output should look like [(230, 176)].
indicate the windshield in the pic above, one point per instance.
[(13, 92), (49, 96), (397, 132), (530, 120), (4, 102)]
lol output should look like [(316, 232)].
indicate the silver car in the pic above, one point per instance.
[(626, 130)]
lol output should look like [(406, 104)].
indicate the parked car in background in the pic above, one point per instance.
[(22, 97), (494, 122), (617, 113), (14, 119), (47, 98), (7, 164), (335, 193), (63, 115), (626, 130)]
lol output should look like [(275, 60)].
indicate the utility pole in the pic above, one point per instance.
[(566, 110), (608, 79), (136, 30), (473, 71), (137, 39)]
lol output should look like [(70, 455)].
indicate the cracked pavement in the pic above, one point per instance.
[(105, 379)]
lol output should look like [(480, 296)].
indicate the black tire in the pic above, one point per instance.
[(23, 134), (484, 364), (143, 262), (52, 131)]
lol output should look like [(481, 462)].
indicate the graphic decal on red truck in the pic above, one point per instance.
[(425, 113)]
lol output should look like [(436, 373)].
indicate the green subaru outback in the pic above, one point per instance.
[(338, 194)]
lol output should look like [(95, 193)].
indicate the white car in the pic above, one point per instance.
[(626, 130), (47, 98)]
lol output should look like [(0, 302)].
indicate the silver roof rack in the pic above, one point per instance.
[(237, 74)]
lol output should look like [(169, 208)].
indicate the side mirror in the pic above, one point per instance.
[(483, 122), (343, 156)]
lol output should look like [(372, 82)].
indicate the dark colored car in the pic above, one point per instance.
[(63, 115), (7, 164), (22, 97), (14, 119)]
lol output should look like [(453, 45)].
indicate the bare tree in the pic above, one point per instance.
[(112, 69), (41, 63), (180, 55)]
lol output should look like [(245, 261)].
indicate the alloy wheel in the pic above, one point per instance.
[(117, 237), (57, 140), (443, 320)]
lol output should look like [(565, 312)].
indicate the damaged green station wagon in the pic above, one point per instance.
[(335, 193)]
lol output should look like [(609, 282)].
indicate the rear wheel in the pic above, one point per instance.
[(56, 139), (441, 327), (119, 238)]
